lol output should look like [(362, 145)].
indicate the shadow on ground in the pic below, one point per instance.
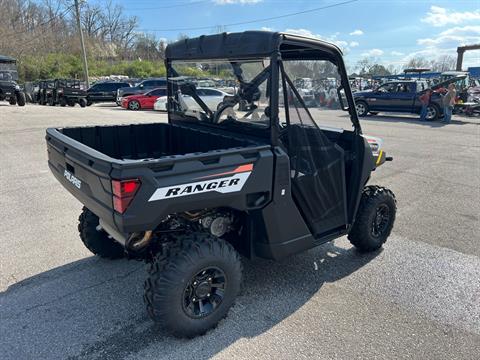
[(416, 120), (93, 308)]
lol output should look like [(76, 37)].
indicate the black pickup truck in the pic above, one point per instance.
[(402, 96), (189, 195)]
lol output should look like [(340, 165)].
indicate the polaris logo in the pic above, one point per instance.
[(224, 185), (72, 179)]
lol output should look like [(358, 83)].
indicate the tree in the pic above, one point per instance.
[(443, 63), (417, 62)]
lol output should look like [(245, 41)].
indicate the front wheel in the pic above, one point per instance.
[(133, 105), (82, 102), (21, 99), (362, 108), (374, 220), (192, 284), (12, 101), (95, 239)]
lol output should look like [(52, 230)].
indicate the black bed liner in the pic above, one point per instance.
[(151, 141)]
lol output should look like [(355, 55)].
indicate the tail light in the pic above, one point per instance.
[(123, 193)]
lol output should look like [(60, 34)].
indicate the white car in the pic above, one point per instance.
[(210, 96)]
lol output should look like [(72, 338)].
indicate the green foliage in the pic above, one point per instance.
[(70, 66)]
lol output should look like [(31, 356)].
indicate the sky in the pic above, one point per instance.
[(392, 31)]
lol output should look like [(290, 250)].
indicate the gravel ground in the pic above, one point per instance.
[(418, 298)]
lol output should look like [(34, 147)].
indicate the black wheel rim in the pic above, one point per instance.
[(380, 220), (204, 293)]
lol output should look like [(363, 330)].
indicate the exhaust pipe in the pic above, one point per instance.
[(139, 240)]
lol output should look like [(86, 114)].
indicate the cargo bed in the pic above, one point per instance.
[(85, 160)]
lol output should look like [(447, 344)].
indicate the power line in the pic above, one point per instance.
[(172, 6), (258, 20)]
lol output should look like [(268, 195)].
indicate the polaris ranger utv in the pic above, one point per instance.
[(9, 89), (190, 195), (67, 92), (45, 91)]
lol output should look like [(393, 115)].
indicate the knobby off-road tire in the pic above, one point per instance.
[(12, 101), (97, 240), (192, 284), (21, 99), (375, 219), (82, 102)]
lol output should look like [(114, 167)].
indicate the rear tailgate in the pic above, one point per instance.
[(84, 172)]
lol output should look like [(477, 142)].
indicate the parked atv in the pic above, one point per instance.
[(9, 89), (67, 92), (189, 196)]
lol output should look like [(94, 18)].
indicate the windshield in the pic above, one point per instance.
[(8, 71), (225, 93)]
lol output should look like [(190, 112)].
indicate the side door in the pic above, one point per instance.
[(95, 94), (403, 96), (380, 98), (317, 161)]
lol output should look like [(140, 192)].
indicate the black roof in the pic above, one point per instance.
[(241, 45), (4, 58)]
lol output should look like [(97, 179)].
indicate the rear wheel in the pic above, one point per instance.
[(51, 102), (133, 105), (71, 102), (82, 102), (375, 219), (362, 108), (63, 102), (21, 99), (192, 284), (432, 113), (95, 239), (12, 101)]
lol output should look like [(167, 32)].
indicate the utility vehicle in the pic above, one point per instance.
[(67, 92), (190, 195), (9, 88), (45, 91)]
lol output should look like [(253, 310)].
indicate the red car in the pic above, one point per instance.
[(143, 101)]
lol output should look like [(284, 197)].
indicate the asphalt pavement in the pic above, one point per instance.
[(418, 298)]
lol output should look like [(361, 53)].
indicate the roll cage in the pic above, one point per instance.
[(256, 45)]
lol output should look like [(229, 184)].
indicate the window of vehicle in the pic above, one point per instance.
[(389, 87), (317, 84), (211, 92), (248, 107), (158, 92), (154, 83)]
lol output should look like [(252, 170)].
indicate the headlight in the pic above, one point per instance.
[(17, 87), (375, 144)]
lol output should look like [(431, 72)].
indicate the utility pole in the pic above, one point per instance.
[(82, 43)]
